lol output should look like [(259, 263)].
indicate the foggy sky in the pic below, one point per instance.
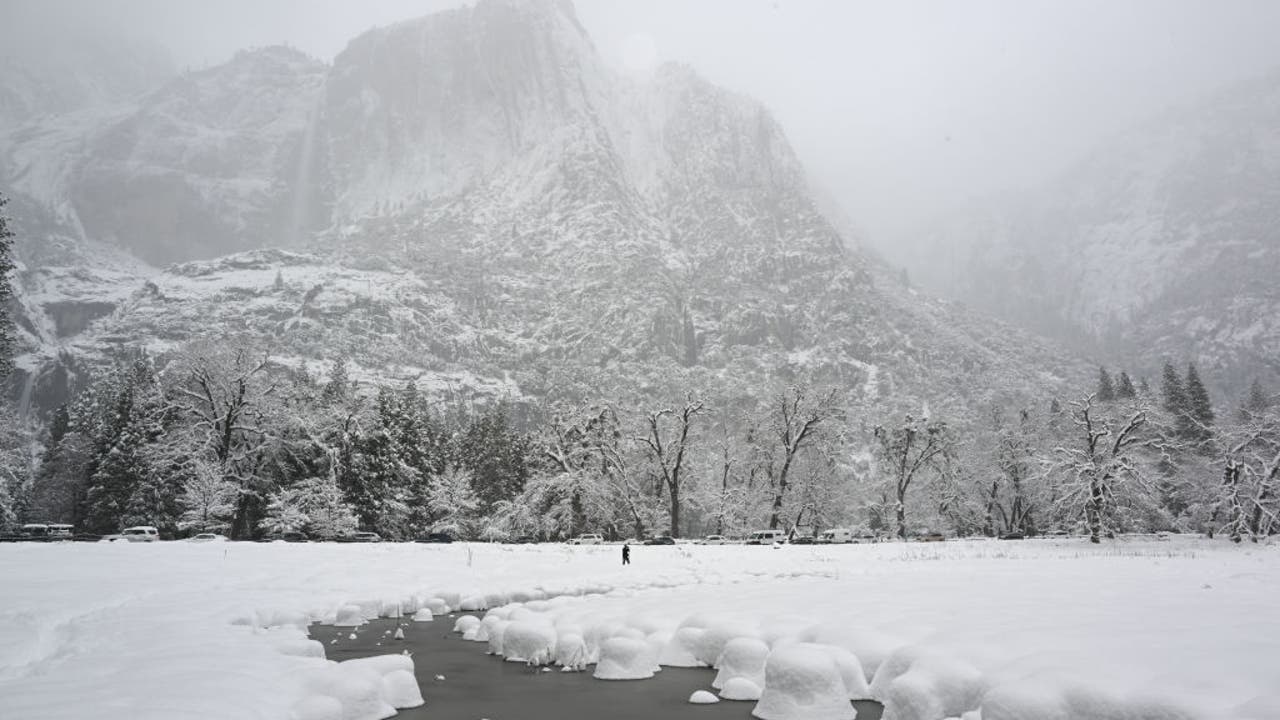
[(900, 108)]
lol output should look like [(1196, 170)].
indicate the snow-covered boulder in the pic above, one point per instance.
[(679, 651), (497, 632), (472, 603), (937, 686), (465, 623), (702, 697), (437, 606), (571, 651), (423, 615), (803, 683), (381, 664), (530, 642), (358, 689), (740, 688), (317, 707), (624, 658), (742, 657), (400, 689), (711, 643)]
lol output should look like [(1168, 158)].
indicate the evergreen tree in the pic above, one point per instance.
[(338, 388), (1176, 403), (1106, 389), (496, 455), (7, 332), (1256, 403), (1124, 388), (1144, 388), (1199, 406)]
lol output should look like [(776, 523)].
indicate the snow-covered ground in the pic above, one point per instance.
[(1138, 630)]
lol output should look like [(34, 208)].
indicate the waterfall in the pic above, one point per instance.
[(24, 399), (300, 216)]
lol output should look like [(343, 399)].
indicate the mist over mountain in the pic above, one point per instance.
[(1162, 244), (475, 195)]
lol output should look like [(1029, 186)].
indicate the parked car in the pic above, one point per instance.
[(522, 540), (660, 540), (587, 539), (41, 532), (436, 538), (836, 535), (366, 537), (207, 537), (1013, 536), (138, 533), (713, 540), (931, 537), (805, 540), (765, 537)]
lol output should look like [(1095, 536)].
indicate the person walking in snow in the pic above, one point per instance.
[(626, 554)]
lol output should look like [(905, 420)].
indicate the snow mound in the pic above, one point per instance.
[(1024, 700), (423, 615), (349, 616), (742, 657), (871, 647), (317, 707), (571, 651), (803, 682), (679, 651), (357, 689), (530, 642), (718, 634), (702, 697), (465, 623), (933, 686), (740, 688), (472, 603), (381, 664), (497, 633), (625, 658), (437, 606), (400, 689)]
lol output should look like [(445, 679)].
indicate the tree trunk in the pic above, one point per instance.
[(675, 511), (1093, 511)]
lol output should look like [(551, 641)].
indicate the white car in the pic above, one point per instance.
[(587, 539), (713, 540), (207, 537), (140, 533)]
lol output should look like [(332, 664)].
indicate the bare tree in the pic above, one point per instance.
[(905, 450), (1251, 473), (795, 418), (1105, 467), (667, 448)]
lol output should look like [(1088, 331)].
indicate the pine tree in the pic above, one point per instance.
[(1144, 388), (1199, 405), (7, 332), (1256, 403), (338, 387), (1176, 402), (1106, 390), (1125, 389)]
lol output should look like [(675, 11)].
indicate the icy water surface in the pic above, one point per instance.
[(476, 685)]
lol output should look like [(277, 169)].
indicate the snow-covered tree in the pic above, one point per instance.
[(7, 332), (907, 452), (315, 506), (1248, 502), (1199, 407), (452, 502), (793, 421), (1107, 470), (1124, 387), (667, 443), (1106, 388), (208, 499)]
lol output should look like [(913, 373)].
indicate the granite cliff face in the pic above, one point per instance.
[(473, 197)]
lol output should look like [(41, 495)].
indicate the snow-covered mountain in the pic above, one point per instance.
[(1164, 243), (475, 199)]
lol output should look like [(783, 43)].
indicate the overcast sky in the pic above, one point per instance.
[(901, 108)]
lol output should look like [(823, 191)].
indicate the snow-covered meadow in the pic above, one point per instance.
[(1134, 629)]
